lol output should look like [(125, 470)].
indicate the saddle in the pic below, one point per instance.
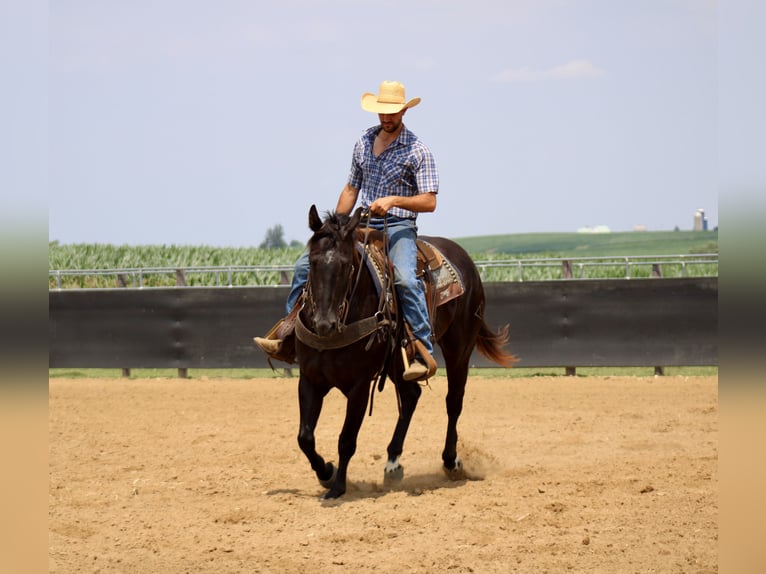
[(441, 279)]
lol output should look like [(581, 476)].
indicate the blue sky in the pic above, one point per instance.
[(200, 122)]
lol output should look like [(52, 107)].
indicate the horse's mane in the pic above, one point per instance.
[(336, 219)]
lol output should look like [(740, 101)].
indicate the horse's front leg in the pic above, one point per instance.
[(457, 376), (310, 400), (408, 394), (356, 405)]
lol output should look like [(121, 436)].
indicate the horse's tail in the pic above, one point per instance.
[(490, 344)]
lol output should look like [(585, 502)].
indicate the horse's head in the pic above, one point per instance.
[(331, 261)]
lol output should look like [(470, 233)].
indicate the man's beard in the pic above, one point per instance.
[(390, 127)]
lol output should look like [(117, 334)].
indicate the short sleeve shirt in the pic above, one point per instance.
[(405, 168)]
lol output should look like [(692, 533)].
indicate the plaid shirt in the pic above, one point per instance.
[(405, 168)]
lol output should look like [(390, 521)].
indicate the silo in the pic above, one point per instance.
[(698, 217)]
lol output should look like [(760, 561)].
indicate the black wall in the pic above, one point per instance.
[(636, 322)]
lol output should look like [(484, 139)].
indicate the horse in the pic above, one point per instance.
[(341, 297)]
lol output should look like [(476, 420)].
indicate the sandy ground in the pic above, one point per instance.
[(608, 474)]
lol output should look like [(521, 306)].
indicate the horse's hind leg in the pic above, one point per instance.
[(408, 395), (310, 401), (457, 375)]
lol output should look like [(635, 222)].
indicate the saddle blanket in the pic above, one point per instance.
[(442, 280)]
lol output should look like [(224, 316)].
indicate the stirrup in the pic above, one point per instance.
[(415, 371), (426, 357)]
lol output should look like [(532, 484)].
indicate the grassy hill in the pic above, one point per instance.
[(594, 244)]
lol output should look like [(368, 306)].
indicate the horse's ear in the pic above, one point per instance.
[(315, 223), (352, 223)]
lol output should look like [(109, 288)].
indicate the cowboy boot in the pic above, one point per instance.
[(281, 349), (279, 342)]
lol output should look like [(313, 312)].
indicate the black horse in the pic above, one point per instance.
[(341, 298)]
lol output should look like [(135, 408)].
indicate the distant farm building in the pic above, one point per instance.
[(700, 221), (596, 229)]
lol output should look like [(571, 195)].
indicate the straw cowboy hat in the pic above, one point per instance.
[(390, 99)]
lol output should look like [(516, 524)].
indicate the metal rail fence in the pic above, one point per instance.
[(629, 266), (537, 269)]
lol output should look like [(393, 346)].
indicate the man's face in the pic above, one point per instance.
[(391, 122)]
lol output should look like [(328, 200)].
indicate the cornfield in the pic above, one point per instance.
[(103, 265), (107, 266)]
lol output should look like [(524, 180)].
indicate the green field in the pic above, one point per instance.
[(156, 264), (594, 244), (106, 256)]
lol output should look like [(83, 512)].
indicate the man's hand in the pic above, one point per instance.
[(382, 205)]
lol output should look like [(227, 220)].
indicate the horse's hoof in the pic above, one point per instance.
[(327, 483), (332, 494), (394, 473), (457, 472)]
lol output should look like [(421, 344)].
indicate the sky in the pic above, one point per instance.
[(207, 123)]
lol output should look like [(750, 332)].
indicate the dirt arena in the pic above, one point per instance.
[(566, 474)]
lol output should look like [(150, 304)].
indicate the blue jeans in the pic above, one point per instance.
[(300, 276), (403, 252)]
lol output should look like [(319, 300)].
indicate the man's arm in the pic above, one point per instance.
[(347, 199), (420, 203)]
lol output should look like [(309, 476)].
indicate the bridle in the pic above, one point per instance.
[(343, 306), (346, 334)]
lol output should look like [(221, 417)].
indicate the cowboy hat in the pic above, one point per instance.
[(390, 99)]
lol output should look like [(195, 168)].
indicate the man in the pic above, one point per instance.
[(394, 177)]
